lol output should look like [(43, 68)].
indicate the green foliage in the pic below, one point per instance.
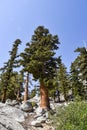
[(33, 93), (79, 73), (76, 84), (34, 104), (7, 70), (15, 85), (39, 55), (63, 80), (12, 63), (72, 117)]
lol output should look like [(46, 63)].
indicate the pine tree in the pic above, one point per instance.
[(75, 81), (40, 61), (8, 68), (82, 63), (82, 70), (63, 80), (24, 59)]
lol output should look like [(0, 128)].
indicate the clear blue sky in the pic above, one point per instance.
[(66, 18)]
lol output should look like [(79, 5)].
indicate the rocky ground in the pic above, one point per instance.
[(27, 124), (16, 116)]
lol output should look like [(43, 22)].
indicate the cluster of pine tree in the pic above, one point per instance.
[(39, 58)]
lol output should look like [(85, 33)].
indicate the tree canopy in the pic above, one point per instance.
[(39, 54)]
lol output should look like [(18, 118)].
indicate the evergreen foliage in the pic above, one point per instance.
[(60, 82), (63, 80), (79, 73), (7, 70), (40, 61), (39, 54)]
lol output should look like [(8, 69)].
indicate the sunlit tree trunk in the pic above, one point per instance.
[(26, 89), (44, 97), (4, 95)]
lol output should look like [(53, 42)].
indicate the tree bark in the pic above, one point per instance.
[(44, 97), (4, 95), (18, 97), (65, 94), (26, 89)]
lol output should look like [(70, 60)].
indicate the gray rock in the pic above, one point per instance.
[(27, 107), (62, 97), (36, 116), (8, 102), (14, 102), (8, 123), (36, 123), (13, 112), (52, 106), (2, 105), (38, 110), (47, 115), (11, 102), (41, 119), (35, 99)]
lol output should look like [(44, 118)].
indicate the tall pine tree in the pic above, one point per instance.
[(8, 68), (40, 61), (79, 73)]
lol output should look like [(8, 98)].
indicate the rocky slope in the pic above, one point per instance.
[(15, 116)]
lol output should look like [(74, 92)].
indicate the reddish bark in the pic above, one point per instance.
[(26, 89), (44, 97)]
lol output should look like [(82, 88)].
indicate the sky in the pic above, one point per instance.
[(65, 18)]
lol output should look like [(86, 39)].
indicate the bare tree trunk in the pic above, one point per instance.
[(26, 89), (4, 95), (44, 97), (18, 98)]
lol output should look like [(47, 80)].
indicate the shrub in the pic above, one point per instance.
[(34, 104), (72, 117)]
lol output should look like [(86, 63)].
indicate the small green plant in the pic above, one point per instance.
[(72, 117), (34, 104)]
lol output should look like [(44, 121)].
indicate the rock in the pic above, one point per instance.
[(36, 123), (13, 112), (8, 123), (65, 104), (35, 99), (27, 107), (36, 116), (2, 105), (47, 115), (8, 102), (62, 97), (14, 102), (52, 106), (49, 122), (41, 119), (11, 102), (38, 111)]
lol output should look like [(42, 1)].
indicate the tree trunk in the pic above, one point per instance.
[(18, 98), (65, 94), (4, 95), (26, 89), (44, 97)]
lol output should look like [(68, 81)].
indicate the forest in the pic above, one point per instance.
[(39, 60)]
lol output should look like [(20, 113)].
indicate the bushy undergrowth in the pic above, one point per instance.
[(72, 117)]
